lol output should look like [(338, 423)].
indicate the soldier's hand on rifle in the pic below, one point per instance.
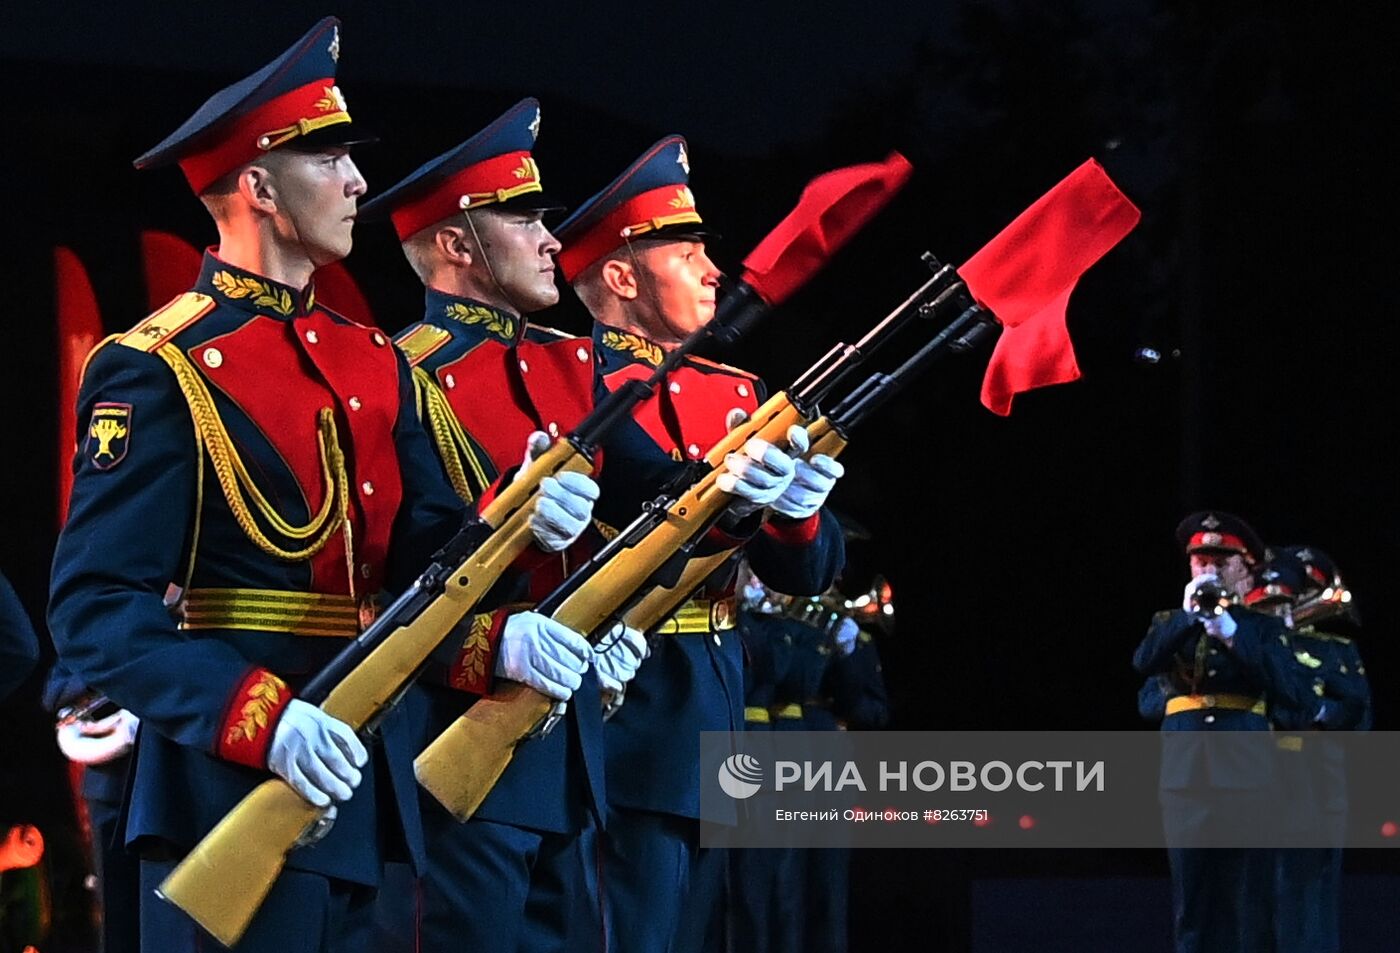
[(812, 480), (618, 655), (757, 475), (319, 756), (548, 656), (565, 503)]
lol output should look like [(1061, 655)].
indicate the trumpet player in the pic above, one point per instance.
[(1225, 665), (1303, 585)]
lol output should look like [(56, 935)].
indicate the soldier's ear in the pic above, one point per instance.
[(453, 245), (255, 184), (620, 278)]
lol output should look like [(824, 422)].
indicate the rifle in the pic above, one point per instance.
[(460, 767), (829, 434), (224, 880)]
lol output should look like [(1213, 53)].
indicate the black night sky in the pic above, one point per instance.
[(1026, 554)]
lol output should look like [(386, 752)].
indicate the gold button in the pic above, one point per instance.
[(450, 381), (213, 357), (582, 355), (379, 339), (354, 403), (368, 487), (311, 337), (743, 390)]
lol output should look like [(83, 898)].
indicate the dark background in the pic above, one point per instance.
[(1026, 553)]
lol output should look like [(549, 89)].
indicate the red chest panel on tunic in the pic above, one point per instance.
[(501, 394), (280, 374), (689, 415)]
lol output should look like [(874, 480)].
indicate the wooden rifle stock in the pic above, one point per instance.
[(461, 766), (660, 603), (224, 880)]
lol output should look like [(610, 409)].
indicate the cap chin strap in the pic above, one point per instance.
[(643, 278), (490, 269)]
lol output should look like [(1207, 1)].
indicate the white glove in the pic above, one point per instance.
[(548, 656), (565, 503), (811, 484), (1193, 586), (97, 742), (846, 636), (758, 474), (1222, 626), (619, 657), (319, 756)]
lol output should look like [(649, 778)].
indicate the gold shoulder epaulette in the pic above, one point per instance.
[(420, 341), (737, 372), (169, 321)]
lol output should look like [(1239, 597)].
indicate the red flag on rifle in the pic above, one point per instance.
[(1027, 273)]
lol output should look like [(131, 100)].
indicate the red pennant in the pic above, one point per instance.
[(831, 209), (1027, 273)]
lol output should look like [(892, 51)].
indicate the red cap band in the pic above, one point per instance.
[(305, 109), (647, 212), (487, 182)]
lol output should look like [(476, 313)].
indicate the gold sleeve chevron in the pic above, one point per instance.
[(458, 457)]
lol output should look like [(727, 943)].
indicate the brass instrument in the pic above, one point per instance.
[(873, 609), (1330, 602), (1211, 599)]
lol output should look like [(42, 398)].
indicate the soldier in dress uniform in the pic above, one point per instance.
[(1226, 665), (1302, 585), (635, 254), (251, 478), (832, 680), (487, 380)]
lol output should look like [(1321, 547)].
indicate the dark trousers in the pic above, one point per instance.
[(646, 869), (705, 915), (118, 880), (506, 889), (1221, 899), (1307, 904), (303, 913)]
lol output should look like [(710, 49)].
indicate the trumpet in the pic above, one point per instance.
[(825, 613), (1211, 599), (1331, 602)]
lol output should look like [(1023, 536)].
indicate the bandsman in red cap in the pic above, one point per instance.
[(636, 256), (1303, 584), (471, 223), (1224, 666), (250, 478)]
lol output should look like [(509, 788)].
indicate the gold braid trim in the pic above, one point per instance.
[(453, 447), (237, 483)]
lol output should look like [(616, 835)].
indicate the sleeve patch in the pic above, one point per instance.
[(109, 434)]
